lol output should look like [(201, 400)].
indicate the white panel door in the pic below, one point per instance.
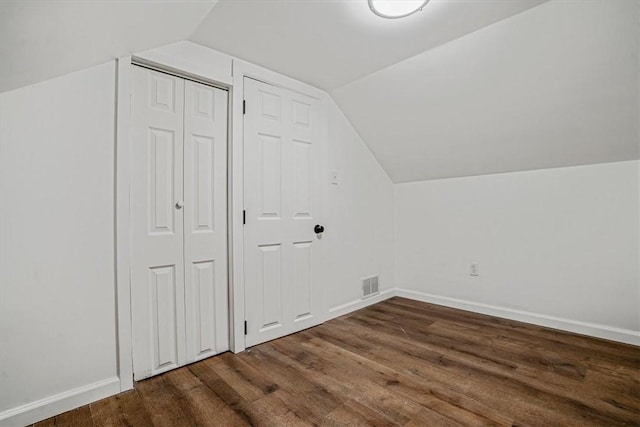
[(179, 288), (157, 276), (205, 220), (282, 167)]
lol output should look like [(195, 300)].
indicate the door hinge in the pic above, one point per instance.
[(245, 327), (244, 217), (244, 107)]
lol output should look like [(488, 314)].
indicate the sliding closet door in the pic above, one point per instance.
[(157, 276), (179, 222), (205, 220)]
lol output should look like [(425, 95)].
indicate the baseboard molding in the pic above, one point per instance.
[(59, 403), (626, 336), (343, 309)]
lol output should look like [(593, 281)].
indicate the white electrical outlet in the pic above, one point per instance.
[(474, 270)]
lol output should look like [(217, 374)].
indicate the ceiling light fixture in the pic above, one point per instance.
[(396, 8)]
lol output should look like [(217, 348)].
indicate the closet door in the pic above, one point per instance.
[(205, 220), (157, 270), (179, 288)]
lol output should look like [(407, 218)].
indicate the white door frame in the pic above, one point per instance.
[(235, 172)]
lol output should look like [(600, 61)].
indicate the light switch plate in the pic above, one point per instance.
[(474, 270), (334, 177)]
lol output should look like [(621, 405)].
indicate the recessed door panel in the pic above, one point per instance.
[(302, 179), (302, 280), (270, 103), (204, 164), (271, 286), (162, 283), (162, 92), (271, 175), (161, 180), (204, 278)]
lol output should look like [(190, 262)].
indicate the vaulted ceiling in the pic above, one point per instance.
[(331, 43), (42, 39), (465, 87), (554, 86)]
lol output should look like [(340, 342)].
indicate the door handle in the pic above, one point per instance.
[(318, 229), (179, 204)]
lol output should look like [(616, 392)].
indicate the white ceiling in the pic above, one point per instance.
[(42, 39), (329, 43), (465, 87), (556, 85)]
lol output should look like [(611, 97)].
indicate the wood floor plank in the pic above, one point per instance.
[(132, 409), (399, 362), (351, 413), (207, 408), (80, 417), (106, 412), (164, 405)]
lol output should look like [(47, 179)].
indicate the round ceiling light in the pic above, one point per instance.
[(396, 8)]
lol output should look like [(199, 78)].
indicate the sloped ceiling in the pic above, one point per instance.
[(465, 87), (42, 39), (556, 85), (331, 43)]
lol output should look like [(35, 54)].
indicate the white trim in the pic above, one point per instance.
[(240, 70), (236, 204), (243, 69), (585, 328), (123, 264), (59, 403), (343, 309), (177, 72)]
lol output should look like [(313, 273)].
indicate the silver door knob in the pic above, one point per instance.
[(179, 204)]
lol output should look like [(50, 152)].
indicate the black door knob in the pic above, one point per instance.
[(318, 229)]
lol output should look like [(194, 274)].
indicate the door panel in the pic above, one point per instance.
[(282, 152), (157, 276), (302, 260), (204, 282), (179, 286), (164, 327), (271, 286), (205, 220)]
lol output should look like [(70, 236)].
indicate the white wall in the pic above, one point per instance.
[(187, 56), (57, 302), (557, 242), (360, 226)]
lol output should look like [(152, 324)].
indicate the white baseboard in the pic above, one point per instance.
[(626, 336), (59, 403), (343, 309)]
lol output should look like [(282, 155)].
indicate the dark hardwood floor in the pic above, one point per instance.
[(399, 362)]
